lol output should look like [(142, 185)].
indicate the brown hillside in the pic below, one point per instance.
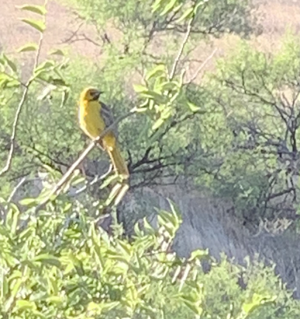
[(62, 23)]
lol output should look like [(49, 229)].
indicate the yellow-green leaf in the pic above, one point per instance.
[(28, 47), (57, 300), (193, 107), (10, 63), (169, 7), (36, 24), (33, 8), (188, 14), (157, 124), (25, 305), (158, 70), (27, 201), (139, 88), (48, 260), (157, 4), (155, 96), (57, 52)]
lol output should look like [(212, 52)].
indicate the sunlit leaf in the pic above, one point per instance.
[(33, 8), (188, 14), (57, 52), (140, 88), (27, 201), (28, 47), (36, 24), (171, 4), (158, 70), (25, 305), (10, 63), (48, 259)]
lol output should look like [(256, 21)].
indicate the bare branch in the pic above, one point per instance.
[(13, 193), (184, 42), (57, 188), (18, 112), (203, 64)]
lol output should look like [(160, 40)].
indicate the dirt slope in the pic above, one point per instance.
[(275, 16)]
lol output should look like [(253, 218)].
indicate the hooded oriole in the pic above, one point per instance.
[(94, 117)]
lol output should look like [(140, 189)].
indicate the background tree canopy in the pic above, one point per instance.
[(220, 124)]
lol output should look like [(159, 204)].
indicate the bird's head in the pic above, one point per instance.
[(90, 94)]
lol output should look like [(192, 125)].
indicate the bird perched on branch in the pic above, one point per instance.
[(94, 117)]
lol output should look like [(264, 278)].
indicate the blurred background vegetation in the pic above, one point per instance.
[(216, 86)]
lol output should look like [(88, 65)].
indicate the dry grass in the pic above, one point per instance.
[(209, 224)]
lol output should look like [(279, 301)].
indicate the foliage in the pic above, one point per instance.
[(258, 99), (56, 261), (55, 82), (66, 266)]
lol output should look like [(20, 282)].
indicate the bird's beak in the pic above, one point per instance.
[(96, 94)]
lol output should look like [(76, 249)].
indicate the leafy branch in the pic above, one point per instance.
[(36, 25)]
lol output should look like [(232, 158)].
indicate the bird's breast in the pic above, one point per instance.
[(89, 119)]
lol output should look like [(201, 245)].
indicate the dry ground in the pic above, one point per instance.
[(275, 16)]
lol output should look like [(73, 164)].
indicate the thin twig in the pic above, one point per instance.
[(57, 188), (74, 33), (186, 37), (14, 133), (93, 182), (13, 193), (18, 112), (201, 66)]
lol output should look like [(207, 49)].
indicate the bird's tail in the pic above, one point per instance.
[(118, 161)]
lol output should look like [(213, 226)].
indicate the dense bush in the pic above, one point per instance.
[(61, 264)]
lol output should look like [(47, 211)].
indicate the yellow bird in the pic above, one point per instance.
[(94, 117)]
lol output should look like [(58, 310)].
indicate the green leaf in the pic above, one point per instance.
[(38, 25), (140, 88), (124, 247), (11, 221), (4, 286), (33, 8), (27, 201), (154, 95), (157, 124), (57, 52), (28, 47), (108, 306), (108, 181), (48, 260), (157, 4), (14, 221), (26, 233), (188, 14), (10, 63), (57, 300), (257, 300), (158, 70), (193, 107), (192, 305), (168, 7), (25, 305), (198, 254), (13, 83), (45, 65)]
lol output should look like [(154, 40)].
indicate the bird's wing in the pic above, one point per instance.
[(107, 116)]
